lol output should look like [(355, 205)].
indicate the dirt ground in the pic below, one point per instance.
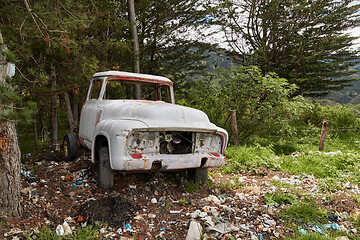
[(148, 205)]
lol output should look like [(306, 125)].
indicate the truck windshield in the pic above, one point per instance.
[(117, 89)]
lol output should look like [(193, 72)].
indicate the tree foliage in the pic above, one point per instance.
[(165, 45), (302, 41), (70, 40), (261, 102)]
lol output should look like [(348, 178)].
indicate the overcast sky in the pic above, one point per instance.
[(220, 38)]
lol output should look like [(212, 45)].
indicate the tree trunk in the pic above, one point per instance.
[(54, 122), (135, 42), (9, 158), (35, 135), (9, 170), (69, 112)]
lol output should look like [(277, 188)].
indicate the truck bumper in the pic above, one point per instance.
[(165, 162)]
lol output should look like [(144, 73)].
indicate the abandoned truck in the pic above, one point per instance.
[(153, 133)]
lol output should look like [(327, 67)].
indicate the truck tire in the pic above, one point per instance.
[(70, 147), (106, 174), (201, 175)]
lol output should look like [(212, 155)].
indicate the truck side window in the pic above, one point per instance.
[(165, 94), (95, 90)]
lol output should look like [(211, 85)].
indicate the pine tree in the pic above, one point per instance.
[(10, 155), (303, 41)]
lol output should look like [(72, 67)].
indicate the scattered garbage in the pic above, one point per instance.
[(331, 226), (63, 229), (53, 190)]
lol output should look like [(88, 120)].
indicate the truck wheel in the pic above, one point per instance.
[(106, 174), (70, 147), (201, 175)]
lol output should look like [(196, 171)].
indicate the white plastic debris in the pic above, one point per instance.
[(10, 69), (224, 228), (60, 230), (153, 200), (195, 214), (212, 198), (174, 211), (195, 231), (64, 229)]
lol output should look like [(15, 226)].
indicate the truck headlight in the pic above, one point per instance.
[(208, 142), (143, 142)]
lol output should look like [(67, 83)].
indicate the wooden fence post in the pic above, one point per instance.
[(323, 133), (234, 127)]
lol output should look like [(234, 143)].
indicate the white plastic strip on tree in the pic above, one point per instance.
[(10, 69)]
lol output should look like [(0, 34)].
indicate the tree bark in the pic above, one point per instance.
[(35, 135), (9, 170), (135, 42), (69, 112), (54, 122), (9, 158)]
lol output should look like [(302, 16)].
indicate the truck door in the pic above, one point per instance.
[(91, 111)]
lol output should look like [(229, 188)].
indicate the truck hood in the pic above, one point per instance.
[(156, 114)]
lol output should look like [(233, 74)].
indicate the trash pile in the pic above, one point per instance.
[(64, 197)]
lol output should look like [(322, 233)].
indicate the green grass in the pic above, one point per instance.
[(280, 198), (79, 233), (249, 157), (313, 236), (304, 213)]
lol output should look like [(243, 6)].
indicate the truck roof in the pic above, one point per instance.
[(134, 76)]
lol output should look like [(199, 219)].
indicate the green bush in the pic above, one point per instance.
[(261, 102)]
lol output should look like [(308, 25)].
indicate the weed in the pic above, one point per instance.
[(183, 202), (80, 233), (43, 234), (192, 187), (280, 198), (329, 185), (209, 183), (88, 232), (168, 204), (232, 184)]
